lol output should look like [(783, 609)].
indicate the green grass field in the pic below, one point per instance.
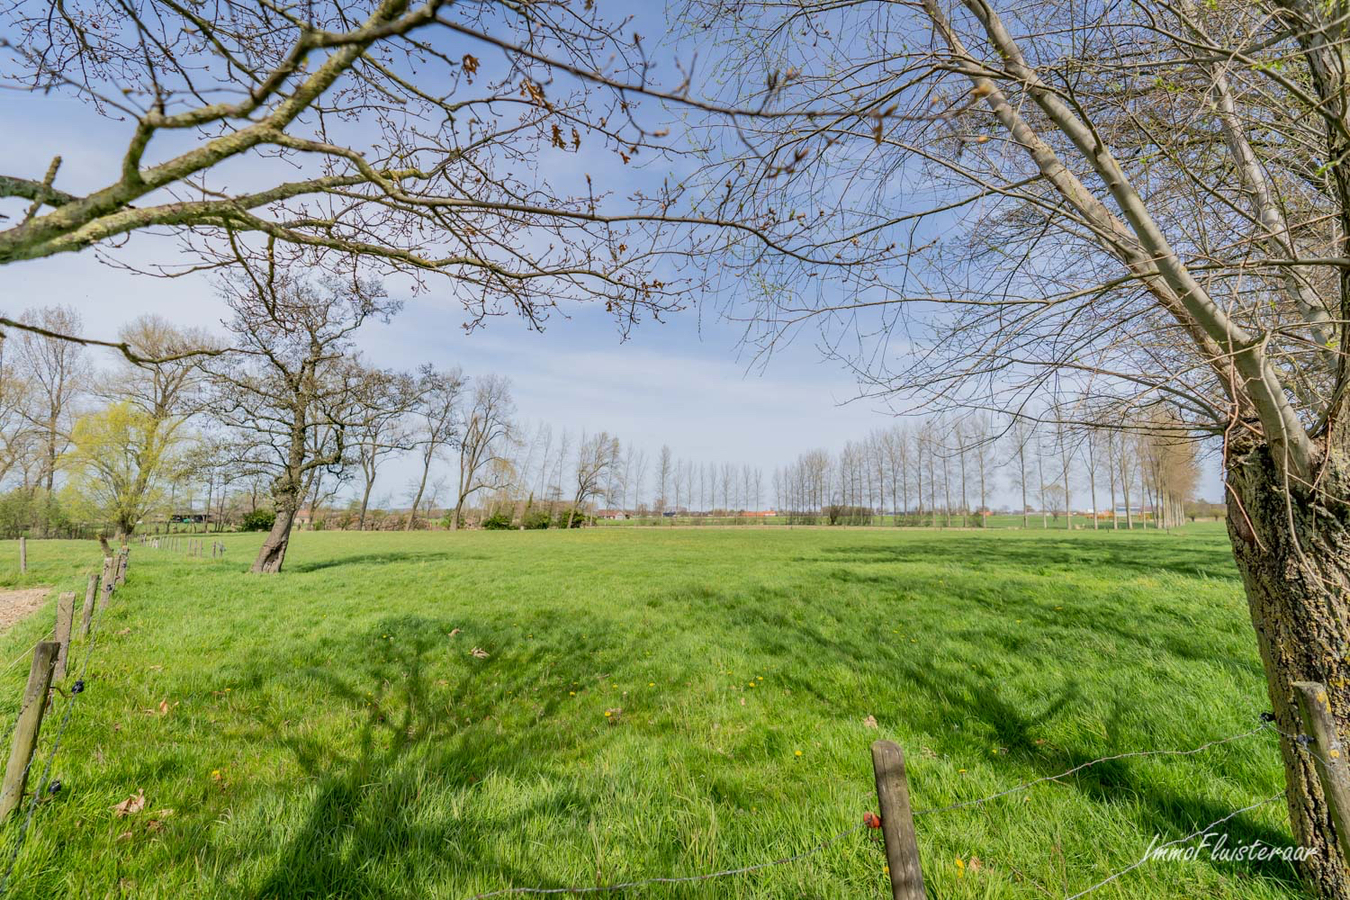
[(328, 732)]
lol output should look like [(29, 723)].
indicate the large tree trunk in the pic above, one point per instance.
[(1293, 550), (273, 551)]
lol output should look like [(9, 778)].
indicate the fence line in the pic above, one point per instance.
[(76, 689), (1080, 767), (871, 821)]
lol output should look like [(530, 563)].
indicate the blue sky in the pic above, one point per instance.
[(683, 382)]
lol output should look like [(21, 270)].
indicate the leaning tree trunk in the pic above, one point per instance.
[(273, 551), (1292, 547)]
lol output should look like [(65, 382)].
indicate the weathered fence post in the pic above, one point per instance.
[(107, 587), (65, 620), (1333, 769), (23, 555), (121, 568), (897, 821), (26, 728), (87, 615)]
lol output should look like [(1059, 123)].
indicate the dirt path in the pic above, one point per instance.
[(14, 605)]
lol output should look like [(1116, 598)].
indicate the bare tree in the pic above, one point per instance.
[(597, 457), (56, 371), (290, 391), (982, 438), (1022, 440), (382, 405), (438, 429), (487, 431), (664, 471)]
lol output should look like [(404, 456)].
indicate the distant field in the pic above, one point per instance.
[(327, 733)]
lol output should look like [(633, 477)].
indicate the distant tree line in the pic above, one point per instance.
[(282, 414)]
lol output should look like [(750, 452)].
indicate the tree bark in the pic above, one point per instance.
[(1292, 547), (272, 554)]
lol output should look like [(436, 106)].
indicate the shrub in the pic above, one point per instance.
[(536, 519), (498, 521), (577, 516), (258, 520), (840, 514)]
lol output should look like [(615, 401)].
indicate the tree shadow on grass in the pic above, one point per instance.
[(955, 694), (368, 559), (365, 833)]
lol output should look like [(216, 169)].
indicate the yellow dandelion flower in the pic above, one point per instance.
[(608, 714), (651, 684), (799, 753)]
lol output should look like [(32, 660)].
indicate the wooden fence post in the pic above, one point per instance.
[(121, 568), (88, 614), (105, 594), (23, 555), (26, 727), (897, 822), (65, 620), (1333, 769)]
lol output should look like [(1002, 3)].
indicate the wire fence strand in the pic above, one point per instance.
[(1182, 840), (962, 804)]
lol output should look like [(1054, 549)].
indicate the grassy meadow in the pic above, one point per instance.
[(652, 703)]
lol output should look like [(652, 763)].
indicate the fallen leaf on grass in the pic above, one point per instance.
[(133, 804), (156, 668), (454, 631), (124, 632), (154, 825), (124, 836), (478, 653), (870, 722)]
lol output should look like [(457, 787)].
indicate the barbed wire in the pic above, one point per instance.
[(1081, 766), (1302, 741), (1182, 840), (22, 656), (683, 879)]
